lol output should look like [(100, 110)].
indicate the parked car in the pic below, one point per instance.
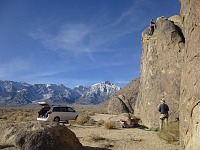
[(56, 113)]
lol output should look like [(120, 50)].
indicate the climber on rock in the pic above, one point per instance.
[(152, 27)]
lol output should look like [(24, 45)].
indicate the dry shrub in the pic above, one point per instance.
[(19, 118), (110, 125), (170, 133), (82, 118)]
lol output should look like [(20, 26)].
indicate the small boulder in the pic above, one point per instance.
[(124, 117)]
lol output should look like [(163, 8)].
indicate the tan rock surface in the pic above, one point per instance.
[(190, 85), (160, 71), (124, 100), (38, 136), (116, 105), (177, 20)]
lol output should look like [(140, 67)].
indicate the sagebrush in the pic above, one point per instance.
[(170, 133), (110, 125)]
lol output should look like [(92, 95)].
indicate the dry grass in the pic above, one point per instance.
[(18, 115), (170, 133), (30, 114), (110, 125)]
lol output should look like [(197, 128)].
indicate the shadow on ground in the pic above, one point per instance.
[(10, 147), (93, 148)]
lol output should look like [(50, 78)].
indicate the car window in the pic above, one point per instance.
[(60, 109), (70, 110), (63, 109), (56, 109)]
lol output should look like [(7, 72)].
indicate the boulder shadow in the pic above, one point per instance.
[(94, 148)]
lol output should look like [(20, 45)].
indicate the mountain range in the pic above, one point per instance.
[(19, 93)]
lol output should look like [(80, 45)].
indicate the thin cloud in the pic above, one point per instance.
[(10, 68), (79, 38), (70, 37)]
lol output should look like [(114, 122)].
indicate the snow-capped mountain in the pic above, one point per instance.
[(12, 92), (97, 93), (82, 90), (11, 86)]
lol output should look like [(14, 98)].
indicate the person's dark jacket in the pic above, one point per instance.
[(163, 108)]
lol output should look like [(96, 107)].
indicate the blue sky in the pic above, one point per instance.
[(75, 42)]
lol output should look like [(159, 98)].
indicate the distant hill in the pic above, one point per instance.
[(20, 93)]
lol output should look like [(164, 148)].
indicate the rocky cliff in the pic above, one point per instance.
[(190, 84), (170, 70), (160, 74)]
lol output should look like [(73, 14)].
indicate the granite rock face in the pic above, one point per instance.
[(160, 73), (124, 100), (190, 83), (116, 105)]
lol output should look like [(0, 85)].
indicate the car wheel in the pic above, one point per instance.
[(57, 119), (76, 117)]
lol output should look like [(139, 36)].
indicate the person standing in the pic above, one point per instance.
[(163, 109)]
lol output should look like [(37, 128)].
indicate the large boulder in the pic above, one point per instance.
[(39, 136), (116, 105), (124, 100), (160, 73), (190, 85)]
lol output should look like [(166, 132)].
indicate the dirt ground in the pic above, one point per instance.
[(94, 138), (99, 138)]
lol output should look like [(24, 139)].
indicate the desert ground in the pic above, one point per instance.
[(94, 137)]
